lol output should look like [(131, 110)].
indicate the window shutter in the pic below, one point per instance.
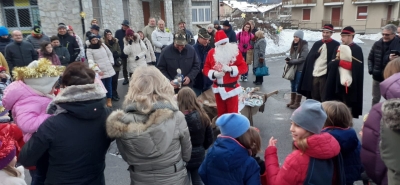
[(362, 9), (306, 14)]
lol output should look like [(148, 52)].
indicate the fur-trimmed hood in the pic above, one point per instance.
[(391, 114)]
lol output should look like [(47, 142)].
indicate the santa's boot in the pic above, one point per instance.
[(296, 103), (292, 98), (109, 103)]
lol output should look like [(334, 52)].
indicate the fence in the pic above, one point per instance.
[(20, 15)]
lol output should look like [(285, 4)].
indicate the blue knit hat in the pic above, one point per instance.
[(310, 116), (233, 125), (3, 31)]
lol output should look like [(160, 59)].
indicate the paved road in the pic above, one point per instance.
[(273, 122)]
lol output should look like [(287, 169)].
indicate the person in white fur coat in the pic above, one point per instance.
[(9, 174), (135, 49), (150, 56)]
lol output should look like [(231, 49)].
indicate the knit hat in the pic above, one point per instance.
[(3, 31), (62, 25), (180, 37), (203, 33), (328, 27), (106, 31), (220, 38), (37, 30), (95, 27), (310, 116), (7, 151), (129, 32), (2, 69), (216, 22), (299, 34), (125, 22), (233, 125), (69, 27), (40, 75), (226, 23), (348, 30), (92, 36)]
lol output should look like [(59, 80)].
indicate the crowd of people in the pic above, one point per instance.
[(57, 121)]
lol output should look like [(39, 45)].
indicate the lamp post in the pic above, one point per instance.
[(83, 15)]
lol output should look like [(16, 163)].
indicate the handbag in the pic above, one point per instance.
[(117, 63), (289, 71), (262, 71)]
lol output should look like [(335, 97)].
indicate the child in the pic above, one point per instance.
[(8, 173), (311, 161), (5, 80), (230, 160), (61, 51), (201, 134), (338, 124)]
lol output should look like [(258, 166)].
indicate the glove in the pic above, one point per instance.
[(260, 163), (136, 58), (130, 42), (261, 60), (218, 74), (226, 68)]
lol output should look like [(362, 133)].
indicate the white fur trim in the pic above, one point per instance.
[(225, 40), (235, 71), (210, 74), (345, 76), (225, 95)]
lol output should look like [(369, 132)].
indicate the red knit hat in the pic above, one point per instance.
[(220, 38), (129, 32), (69, 27), (2, 69), (7, 151)]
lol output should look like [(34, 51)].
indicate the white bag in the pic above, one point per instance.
[(289, 71)]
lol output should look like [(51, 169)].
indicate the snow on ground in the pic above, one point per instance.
[(375, 36)]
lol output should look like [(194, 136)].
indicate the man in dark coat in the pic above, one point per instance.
[(380, 56), (202, 47), (120, 34), (351, 95), (313, 77), (179, 55), (189, 34), (68, 41), (19, 53), (229, 32)]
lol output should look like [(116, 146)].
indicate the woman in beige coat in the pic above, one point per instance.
[(151, 133), (136, 50)]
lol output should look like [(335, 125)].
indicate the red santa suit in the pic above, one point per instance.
[(224, 64)]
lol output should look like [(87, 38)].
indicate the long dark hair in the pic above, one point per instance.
[(187, 101), (247, 23), (299, 46), (44, 51)]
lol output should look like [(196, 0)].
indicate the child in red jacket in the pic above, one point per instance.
[(311, 161)]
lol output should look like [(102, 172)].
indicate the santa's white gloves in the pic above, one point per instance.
[(219, 74), (226, 68)]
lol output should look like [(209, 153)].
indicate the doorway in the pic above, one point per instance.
[(146, 12), (335, 18)]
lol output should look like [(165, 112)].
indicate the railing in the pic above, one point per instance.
[(381, 1), (295, 2), (335, 23), (333, 1)]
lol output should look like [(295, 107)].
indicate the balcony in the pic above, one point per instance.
[(333, 2), (373, 1), (337, 24), (298, 3)]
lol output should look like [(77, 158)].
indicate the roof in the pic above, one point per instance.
[(248, 7)]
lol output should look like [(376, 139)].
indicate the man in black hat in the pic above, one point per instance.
[(202, 47), (68, 41), (94, 29), (345, 74), (229, 32), (189, 35), (313, 76), (120, 34)]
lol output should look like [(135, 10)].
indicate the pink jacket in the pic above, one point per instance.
[(27, 105), (244, 38)]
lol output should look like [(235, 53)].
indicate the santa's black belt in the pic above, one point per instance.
[(231, 85)]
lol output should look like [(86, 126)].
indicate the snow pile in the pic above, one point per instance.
[(375, 36), (246, 7)]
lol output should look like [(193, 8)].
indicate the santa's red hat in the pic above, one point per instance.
[(220, 38)]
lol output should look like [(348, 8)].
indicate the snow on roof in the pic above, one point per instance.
[(247, 7)]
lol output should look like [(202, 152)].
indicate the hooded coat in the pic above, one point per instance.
[(154, 144), (136, 49), (114, 48), (103, 58), (72, 46), (75, 137)]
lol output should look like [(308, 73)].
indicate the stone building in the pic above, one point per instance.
[(24, 14)]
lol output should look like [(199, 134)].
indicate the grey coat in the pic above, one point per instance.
[(259, 52), (62, 54), (37, 42), (299, 57), (152, 143)]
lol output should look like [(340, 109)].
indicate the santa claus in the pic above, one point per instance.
[(224, 64)]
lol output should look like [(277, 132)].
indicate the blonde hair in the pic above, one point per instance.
[(338, 113), (93, 20), (260, 34), (302, 144), (391, 68), (187, 100), (12, 171), (148, 86), (251, 140)]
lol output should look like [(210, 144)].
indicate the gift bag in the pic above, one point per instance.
[(289, 71)]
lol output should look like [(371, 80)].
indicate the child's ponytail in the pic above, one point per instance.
[(12, 171)]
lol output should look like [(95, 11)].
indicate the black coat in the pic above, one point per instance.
[(120, 35), (336, 91), (202, 82), (201, 138), (378, 59), (3, 43), (75, 139), (305, 84), (231, 35), (72, 46), (20, 54)]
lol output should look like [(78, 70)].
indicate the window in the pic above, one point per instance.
[(21, 14), (125, 5), (362, 12), (306, 14), (201, 12), (97, 11)]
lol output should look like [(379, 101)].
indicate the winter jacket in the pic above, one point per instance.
[(3, 43), (154, 144), (72, 46), (54, 58), (201, 137), (244, 38), (150, 56), (120, 35), (147, 31), (390, 138), (4, 63), (350, 149), (36, 42), (63, 55), (296, 167), (231, 35), (259, 52), (81, 48), (136, 49), (10, 180), (20, 54), (202, 82), (228, 162), (27, 105), (75, 138), (189, 37), (299, 57), (378, 59), (103, 58), (161, 38), (212, 39), (171, 59), (115, 50)]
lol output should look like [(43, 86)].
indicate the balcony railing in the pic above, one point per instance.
[(333, 1), (373, 1), (298, 2), (335, 23)]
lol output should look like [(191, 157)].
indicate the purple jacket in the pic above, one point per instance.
[(54, 58), (370, 153), (244, 38)]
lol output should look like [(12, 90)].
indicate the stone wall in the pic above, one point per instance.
[(136, 14), (1, 17), (112, 15), (182, 12)]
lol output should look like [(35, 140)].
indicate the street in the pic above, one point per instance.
[(273, 122)]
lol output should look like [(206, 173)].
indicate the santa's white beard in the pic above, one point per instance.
[(226, 54)]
